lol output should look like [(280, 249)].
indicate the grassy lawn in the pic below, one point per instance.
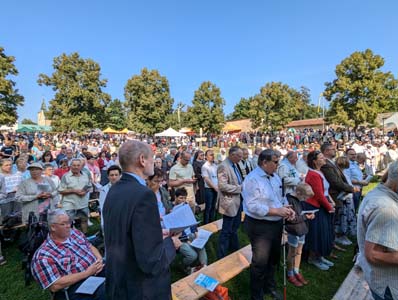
[(323, 284)]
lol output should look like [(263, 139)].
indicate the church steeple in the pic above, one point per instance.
[(43, 106)]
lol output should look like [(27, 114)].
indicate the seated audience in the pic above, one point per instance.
[(66, 259)]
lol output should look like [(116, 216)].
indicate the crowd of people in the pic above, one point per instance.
[(306, 183)]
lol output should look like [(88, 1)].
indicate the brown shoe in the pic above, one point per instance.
[(301, 278), (293, 280)]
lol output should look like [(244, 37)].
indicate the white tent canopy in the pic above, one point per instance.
[(170, 133), (391, 121)]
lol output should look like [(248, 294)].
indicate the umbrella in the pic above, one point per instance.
[(124, 131)]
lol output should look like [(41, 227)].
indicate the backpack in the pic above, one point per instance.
[(30, 241)]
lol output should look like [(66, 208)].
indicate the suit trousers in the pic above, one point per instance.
[(228, 238), (265, 238)]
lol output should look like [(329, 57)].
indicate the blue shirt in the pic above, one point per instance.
[(139, 179), (261, 192), (354, 172)]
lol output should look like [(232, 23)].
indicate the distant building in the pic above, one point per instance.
[(41, 116)]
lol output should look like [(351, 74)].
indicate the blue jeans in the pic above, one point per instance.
[(387, 295), (228, 239), (356, 197), (191, 254), (210, 205)]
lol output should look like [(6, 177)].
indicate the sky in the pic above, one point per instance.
[(237, 45)]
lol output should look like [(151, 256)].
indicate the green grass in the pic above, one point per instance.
[(323, 284)]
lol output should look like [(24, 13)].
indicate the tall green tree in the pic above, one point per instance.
[(207, 111), (10, 99), (276, 105), (79, 102), (241, 110), (115, 114), (148, 102), (361, 90)]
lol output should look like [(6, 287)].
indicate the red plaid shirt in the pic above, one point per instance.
[(54, 260)]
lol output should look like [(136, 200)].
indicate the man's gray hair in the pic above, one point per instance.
[(289, 154), (234, 149), (53, 215), (130, 152), (393, 171), (75, 159)]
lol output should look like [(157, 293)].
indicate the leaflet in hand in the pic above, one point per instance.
[(304, 212), (201, 240), (206, 282), (179, 219), (90, 285)]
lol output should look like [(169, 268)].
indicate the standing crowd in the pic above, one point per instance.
[(311, 191)]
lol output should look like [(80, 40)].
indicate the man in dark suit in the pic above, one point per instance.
[(138, 252)]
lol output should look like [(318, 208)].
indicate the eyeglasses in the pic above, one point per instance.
[(276, 162)]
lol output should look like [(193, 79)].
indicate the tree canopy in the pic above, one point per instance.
[(206, 111), (148, 102), (28, 122), (277, 104), (79, 102), (241, 110), (10, 99), (361, 90), (115, 114)]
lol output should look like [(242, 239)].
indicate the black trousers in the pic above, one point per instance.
[(265, 238)]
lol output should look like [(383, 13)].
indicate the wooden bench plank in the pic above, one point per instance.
[(354, 287), (214, 226), (221, 270), (14, 227)]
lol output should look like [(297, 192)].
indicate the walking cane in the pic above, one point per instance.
[(284, 249)]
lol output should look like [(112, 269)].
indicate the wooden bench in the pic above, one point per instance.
[(354, 287), (221, 270)]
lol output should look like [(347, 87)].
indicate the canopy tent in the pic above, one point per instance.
[(391, 121), (32, 128), (186, 130), (231, 128), (170, 132), (110, 130), (124, 131)]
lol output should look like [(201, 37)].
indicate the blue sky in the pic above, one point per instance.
[(238, 45)]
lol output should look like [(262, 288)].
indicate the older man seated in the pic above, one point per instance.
[(66, 259)]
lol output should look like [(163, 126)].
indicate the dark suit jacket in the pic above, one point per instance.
[(336, 178), (137, 257)]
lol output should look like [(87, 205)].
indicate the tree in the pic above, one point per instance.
[(28, 122), (79, 102), (148, 102), (115, 114), (206, 111), (276, 105), (361, 90), (10, 99), (241, 110)]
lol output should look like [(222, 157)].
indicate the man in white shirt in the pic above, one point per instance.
[(209, 174)]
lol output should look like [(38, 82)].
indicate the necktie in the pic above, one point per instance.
[(237, 173)]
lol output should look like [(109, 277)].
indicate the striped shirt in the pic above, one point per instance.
[(378, 223), (54, 260)]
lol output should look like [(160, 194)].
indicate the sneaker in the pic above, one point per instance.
[(301, 278), (293, 280), (347, 240), (342, 241), (2, 260), (319, 264), (326, 262)]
